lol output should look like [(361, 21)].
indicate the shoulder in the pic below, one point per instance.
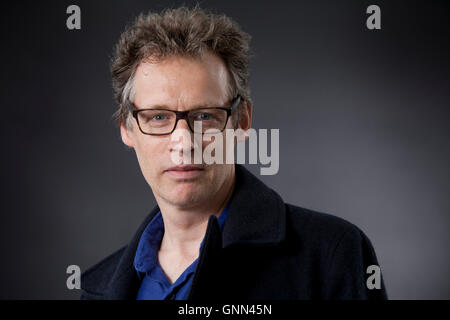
[(342, 250), (94, 281), (324, 231), (320, 223)]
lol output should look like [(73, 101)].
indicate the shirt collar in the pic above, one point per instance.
[(147, 250)]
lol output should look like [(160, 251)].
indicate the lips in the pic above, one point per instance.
[(185, 171), (185, 168)]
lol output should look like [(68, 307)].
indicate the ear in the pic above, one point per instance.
[(245, 120), (126, 135)]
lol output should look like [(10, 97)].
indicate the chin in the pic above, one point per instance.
[(187, 195)]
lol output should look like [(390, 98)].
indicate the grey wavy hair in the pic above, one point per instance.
[(181, 31)]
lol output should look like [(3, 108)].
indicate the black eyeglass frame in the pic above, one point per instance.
[(183, 115)]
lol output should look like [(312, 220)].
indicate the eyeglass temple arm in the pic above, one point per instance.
[(237, 101)]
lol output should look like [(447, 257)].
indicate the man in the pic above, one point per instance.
[(218, 232)]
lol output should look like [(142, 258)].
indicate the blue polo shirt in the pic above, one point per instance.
[(154, 283)]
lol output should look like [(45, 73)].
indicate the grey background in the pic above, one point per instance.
[(363, 118)]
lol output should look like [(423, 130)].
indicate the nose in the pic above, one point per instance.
[(182, 143), (182, 124)]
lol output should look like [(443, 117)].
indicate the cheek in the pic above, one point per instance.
[(149, 153)]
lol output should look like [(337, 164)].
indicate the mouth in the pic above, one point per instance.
[(185, 171)]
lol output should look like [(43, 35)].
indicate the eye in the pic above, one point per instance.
[(159, 117), (205, 116)]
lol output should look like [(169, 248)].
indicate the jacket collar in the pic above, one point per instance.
[(124, 283), (257, 213), (256, 217)]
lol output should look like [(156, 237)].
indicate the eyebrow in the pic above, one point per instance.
[(165, 107)]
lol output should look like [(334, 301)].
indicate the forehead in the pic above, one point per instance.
[(181, 82)]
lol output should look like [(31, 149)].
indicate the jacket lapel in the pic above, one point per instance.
[(257, 213), (124, 283), (205, 270)]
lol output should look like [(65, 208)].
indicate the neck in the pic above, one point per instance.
[(184, 228)]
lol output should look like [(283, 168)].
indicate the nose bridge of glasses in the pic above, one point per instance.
[(182, 115)]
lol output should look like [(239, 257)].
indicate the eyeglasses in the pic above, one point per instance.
[(159, 122)]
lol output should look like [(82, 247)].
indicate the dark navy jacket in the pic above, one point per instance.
[(268, 250)]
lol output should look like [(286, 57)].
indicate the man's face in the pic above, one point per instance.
[(178, 83)]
